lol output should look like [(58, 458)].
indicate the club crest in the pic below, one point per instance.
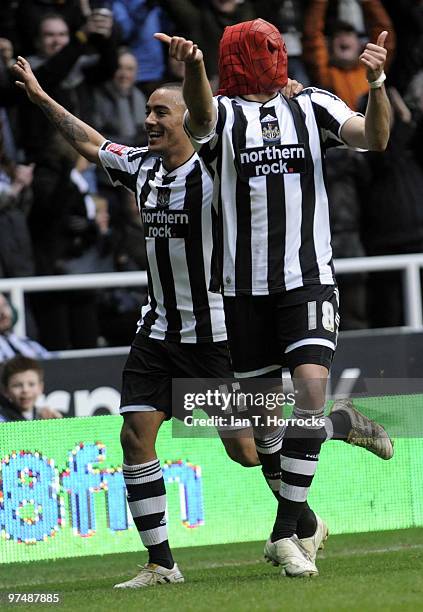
[(271, 132), (163, 197)]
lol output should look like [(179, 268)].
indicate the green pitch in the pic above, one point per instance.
[(369, 571)]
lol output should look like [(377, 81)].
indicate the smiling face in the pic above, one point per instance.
[(164, 116), (54, 35), (23, 389)]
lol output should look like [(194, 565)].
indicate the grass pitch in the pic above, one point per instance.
[(369, 571)]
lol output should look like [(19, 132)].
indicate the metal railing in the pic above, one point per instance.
[(17, 287), (409, 264)]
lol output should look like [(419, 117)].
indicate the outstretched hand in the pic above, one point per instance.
[(374, 57), (27, 80), (180, 48)]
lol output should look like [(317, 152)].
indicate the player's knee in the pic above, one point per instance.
[(309, 399), (245, 456), (248, 460), (136, 448), (310, 386)]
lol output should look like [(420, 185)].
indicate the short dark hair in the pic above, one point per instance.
[(19, 364), (171, 85), (47, 17)]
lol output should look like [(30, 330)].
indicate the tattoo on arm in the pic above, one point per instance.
[(67, 125), (74, 132)]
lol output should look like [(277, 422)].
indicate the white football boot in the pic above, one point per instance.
[(291, 556), (317, 540), (150, 575), (364, 432)]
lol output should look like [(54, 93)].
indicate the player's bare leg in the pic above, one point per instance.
[(240, 447)]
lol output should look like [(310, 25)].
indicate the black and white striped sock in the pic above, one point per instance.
[(299, 458), (269, 453), (147, 502)]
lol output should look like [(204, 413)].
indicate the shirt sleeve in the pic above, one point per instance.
[(331, 113), (121, 163), (206, 145)]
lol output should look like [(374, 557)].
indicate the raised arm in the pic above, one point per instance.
[(196, 87), (81, 136), (372, 132), (316, 53)]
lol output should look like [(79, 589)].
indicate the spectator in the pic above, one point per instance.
[(119, 107), (15, 242), (131, 254), (119, 307), (414, 100), (407, 16), (23, 384), (414, 93), (205, 21), (67, 66), (346, 174), (29, 13), (93, 250), (8, 123), (58, 219), (393, 212), (335, 65), (10, 343), (64, 234), (9, 119), (139, 20), (119, 114), (6, 51)]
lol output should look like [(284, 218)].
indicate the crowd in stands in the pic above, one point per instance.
[(58, 214)]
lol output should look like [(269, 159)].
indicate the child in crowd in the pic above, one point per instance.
[(23, 383)]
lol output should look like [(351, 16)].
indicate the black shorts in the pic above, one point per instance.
[(152, 364), (289, 329)]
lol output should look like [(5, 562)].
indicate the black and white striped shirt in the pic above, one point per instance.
[(176, 211), (269, 191), (12, 345)]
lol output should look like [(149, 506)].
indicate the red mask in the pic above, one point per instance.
[(252, 59)]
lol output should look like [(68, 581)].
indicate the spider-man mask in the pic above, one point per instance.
[(252, 59)]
